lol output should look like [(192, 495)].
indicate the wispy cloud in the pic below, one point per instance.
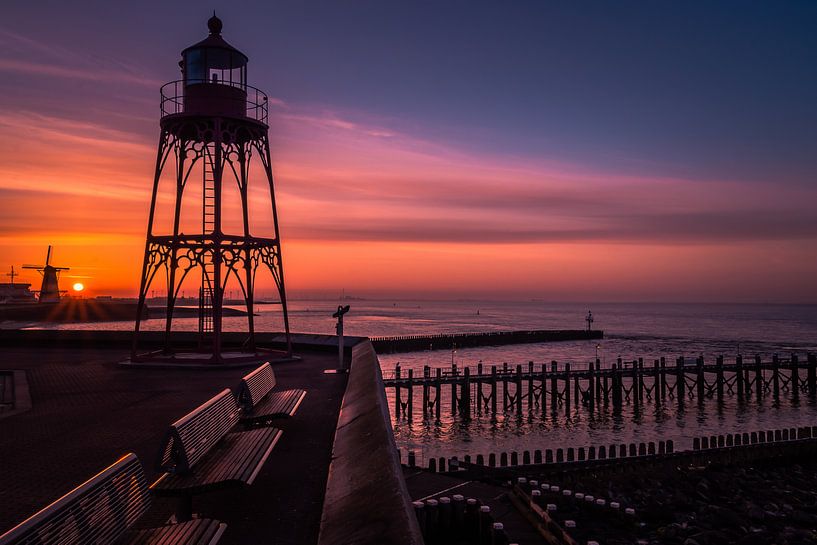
[(24, 55), (340, 180)]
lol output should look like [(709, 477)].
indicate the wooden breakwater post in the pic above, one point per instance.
[(518, 382), (567, 387), (575, 386), (478, 388), (617, 386), (739, 379), (438, 402), (719, 377), (680, 380), (410, 401), (663, 363), (465, 394), (453, 389), (640, 373), (397, 391), (591, 387), (426, 376), (656, 382), (493, 389), (530, 386)]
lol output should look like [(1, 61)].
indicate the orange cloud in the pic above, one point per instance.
[(372, 207)]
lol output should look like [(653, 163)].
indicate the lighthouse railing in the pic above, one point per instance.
[(172, 98)]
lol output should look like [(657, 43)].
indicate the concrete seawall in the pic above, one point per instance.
[(448, 341), (366, 498)]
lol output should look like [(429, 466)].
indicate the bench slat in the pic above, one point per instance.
[(276, 404), (260, 403), (194, 532), (191, 437), (102, 510), (236, 460), (256, 385)]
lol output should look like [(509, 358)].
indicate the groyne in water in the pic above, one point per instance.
[(723, 448), (535, 388), (450, 341)]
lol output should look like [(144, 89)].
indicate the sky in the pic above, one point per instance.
[(565, 151)]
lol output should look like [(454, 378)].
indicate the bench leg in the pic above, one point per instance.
[(184, 508)]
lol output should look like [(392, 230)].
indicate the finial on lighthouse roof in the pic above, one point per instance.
[(214, 24)]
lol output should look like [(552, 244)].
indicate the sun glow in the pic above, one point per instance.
[(78, 286)]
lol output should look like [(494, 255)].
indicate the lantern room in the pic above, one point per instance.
[(214, 76)]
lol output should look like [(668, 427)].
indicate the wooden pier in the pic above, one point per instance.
[(530, 388), (449, 341)]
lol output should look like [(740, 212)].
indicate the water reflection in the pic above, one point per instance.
[(604, 425)]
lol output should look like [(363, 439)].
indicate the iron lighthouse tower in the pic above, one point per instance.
[(213, 129)]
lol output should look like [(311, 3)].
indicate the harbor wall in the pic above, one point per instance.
[(366, 498), (79, 338)]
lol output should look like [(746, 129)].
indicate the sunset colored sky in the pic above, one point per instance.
[(571, 151)]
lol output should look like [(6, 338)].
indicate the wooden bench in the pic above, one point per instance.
[(260, 404), (103, 509), (201, 453)]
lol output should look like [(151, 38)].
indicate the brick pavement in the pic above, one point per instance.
[(87, 411)]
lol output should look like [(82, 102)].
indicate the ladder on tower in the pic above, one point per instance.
[(208, 227)]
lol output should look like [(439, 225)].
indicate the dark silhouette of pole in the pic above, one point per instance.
[(339, 328)]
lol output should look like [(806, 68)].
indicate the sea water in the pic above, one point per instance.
[(631, 331)]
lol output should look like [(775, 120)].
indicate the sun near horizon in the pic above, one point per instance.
[(579, 157)]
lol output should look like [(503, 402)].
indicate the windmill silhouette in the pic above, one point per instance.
[(50, 289)]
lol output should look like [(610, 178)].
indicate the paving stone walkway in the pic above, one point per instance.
[(88, 411)]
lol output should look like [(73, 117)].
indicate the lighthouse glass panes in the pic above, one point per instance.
[(214, 65), (212, 239)]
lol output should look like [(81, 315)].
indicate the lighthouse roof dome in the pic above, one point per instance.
[(220, 54)]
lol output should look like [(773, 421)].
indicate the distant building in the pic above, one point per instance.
[(14, 293)]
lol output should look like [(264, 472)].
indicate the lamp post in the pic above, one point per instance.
[(339, 315)]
